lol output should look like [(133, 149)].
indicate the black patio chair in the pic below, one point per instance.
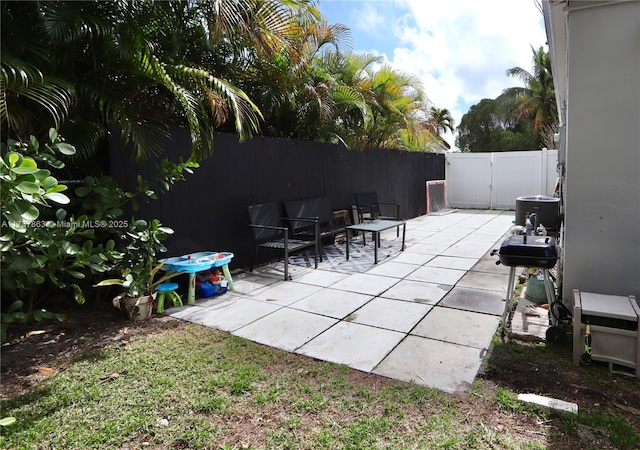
[(271, 232), (369, 208), (319, 208)]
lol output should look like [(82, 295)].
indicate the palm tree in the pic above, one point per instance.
[(536, 100), (440, 120), (90, 66), (396, 101)]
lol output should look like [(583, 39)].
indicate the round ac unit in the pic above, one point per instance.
[(547, 208)]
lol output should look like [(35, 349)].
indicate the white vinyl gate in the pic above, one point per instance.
[(495, 180)]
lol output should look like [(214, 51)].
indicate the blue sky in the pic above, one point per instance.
[(460, 49)]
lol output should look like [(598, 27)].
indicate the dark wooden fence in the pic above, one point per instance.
[(208, 210)]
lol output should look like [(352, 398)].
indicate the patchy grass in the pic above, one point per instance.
[(192, 387)]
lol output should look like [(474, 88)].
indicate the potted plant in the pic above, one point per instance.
[(140, 284), (138, 269)]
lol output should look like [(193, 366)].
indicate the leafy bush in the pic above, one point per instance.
[(45, 246)]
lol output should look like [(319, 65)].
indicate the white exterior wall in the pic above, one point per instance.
[(602, 203)]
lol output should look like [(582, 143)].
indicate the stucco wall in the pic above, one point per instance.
[(602, 221)]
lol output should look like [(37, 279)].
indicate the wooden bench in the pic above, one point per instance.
[(299, 213)]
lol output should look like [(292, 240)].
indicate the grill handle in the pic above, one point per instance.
[(494, 252)]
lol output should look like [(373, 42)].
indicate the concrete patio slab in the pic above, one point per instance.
[(427, 248), (445, 238), (286, 293), (249, 283), (190, 313), (417, 234), (413, 257), (332, 302), (365, 283), (468, 248), (235, 312), (474, 300), (418, 292), (452, 262), (488, 264), (435, 364), (484, 280), (458, 327), (357, 346), (425, 315), (396, 315), (436, 275), (286, 328), (393, 269), (323, 278)]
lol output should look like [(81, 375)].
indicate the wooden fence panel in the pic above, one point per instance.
[(208, 211)]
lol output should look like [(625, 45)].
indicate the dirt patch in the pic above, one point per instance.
[(32, 352)]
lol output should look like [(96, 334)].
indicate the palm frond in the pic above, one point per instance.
[(23, 80)]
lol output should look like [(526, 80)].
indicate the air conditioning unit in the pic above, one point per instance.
[(547, 208)]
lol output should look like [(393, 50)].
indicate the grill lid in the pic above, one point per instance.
[(529, 251)]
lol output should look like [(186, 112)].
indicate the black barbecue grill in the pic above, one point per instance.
[(528, 250)]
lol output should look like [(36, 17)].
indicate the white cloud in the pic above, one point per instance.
[(462, 48)]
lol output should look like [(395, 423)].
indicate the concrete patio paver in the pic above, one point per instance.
[(435, 364), (394, 269), (458, 327), (286, 293), (484, 280), (234, 313), (332, 303), (286, 328), (474, 300), (451, 262), (365, 283), (323, 278), (417, 291), (425, 315), (414, 257), (396, 315), (436, 275), (357, 346)]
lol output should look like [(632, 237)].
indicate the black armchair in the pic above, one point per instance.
[(369, 208), (269, 232)]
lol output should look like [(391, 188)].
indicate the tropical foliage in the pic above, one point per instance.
[(536, 100), (49, 241), (271, 67), (518, 118), (90, 66), (34, 250), (93, 71)]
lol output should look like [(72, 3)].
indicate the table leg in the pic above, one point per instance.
[(376, 236), (348, 245), (191, 292), (227, 276), (404, 230)]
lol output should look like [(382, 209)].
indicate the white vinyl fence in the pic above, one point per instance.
[(495, 180)]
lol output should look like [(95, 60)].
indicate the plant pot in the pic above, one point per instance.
[(137, 308)]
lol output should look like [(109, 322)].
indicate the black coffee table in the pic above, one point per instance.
[(376, 227)]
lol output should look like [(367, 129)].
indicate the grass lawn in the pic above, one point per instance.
[(187, 386)]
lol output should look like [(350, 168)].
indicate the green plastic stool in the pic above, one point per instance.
[(168, 289)]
